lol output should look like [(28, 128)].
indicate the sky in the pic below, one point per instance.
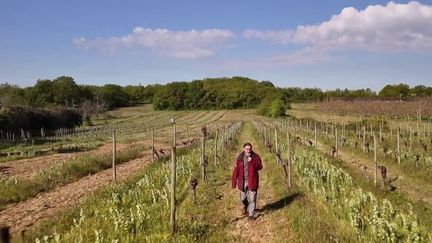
[(314, 43)]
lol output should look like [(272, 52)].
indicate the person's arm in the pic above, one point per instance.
[(234, 176), (258, 164)]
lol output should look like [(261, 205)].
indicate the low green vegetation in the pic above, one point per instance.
[(13, 190)]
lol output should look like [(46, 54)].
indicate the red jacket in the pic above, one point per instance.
[(253, 167)]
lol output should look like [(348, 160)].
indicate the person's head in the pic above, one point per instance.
[(247, 148)]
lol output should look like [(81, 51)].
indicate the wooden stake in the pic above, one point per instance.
[(364, 139), (375, 159), (336, 135), (5, 236), (315, 140), (398, 146), (215, 147), (380, 131), (203, 166), (391, 131), (153, 147), (173, 181), (410, 139), (289, 160), (114, 172)]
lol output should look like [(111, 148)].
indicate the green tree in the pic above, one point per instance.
[(11, 95), (66, 91), (395, 91), (114, 96), (41, 94), (194, 95), (171, 96), (421, 91)]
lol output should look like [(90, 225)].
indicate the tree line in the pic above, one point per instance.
[(210, 93)]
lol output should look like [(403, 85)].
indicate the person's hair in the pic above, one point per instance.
[(247, 144)]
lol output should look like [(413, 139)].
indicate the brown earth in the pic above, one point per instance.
[(26, 214), (21, 216)]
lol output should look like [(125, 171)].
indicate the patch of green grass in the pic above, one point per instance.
[(421, 209), (137, 210), (308, 218), (12, 190)]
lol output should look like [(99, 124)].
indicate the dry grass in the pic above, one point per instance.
[(311, 110)]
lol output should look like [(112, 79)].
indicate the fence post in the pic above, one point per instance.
[(203, 157), (315, 140), (289, 159), (215, 147), (398, 146), (5, 234), (173, 180), (336, 135), (114, 172), (364, 139), (276, 141), (375, 158), (153, 147)]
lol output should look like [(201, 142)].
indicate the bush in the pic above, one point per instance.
[(15, 118), (272, 107)]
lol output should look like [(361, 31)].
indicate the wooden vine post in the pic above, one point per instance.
[(398, 146), (215, 147), (336, 146), (153, 147), (5, 236), (114, 172), (42, 132), (364, 139), (375, 159), (315, 140), (410, 139), (380, 131), (173, 180), (276, 141), (289, 159), (203, 157), (391, 131)]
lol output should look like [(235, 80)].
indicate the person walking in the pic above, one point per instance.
[(245, 176)]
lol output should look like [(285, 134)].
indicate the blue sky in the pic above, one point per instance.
[(325, 44)]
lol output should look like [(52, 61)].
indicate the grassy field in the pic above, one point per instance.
[(331, 199)]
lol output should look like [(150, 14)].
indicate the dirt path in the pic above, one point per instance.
[(403, 184), (265, 227), (25, 214), (21, 216)]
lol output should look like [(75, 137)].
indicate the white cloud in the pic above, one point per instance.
[(393, 27), (307, 56), (178, 44), (280, 36)]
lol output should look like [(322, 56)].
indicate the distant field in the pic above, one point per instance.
[(316, 112), (311, 110)]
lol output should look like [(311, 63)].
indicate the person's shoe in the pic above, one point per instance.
[(244, 211), (251, 218)]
